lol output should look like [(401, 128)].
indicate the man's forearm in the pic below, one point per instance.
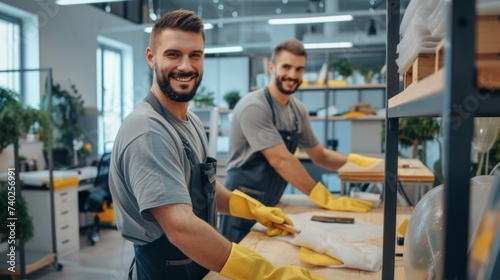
[(292, 170), (223, 195), (331, 160), (193, 236)]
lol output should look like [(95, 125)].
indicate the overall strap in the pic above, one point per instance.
[(155, 104), (270, 102)]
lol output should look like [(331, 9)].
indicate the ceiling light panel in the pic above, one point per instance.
[(304, 20), (228, 49), (336, 45), (78, 2)]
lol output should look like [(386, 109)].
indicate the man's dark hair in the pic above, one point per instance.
[(291, 45), (183, 20)]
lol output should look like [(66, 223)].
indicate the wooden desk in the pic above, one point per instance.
[(409, 170), (283, 253)]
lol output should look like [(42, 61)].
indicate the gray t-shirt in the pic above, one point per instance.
[(252, 127), (149, 168)]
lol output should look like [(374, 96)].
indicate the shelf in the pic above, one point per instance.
[(340, 118), (346, 87), (425, 98), (34, 261)]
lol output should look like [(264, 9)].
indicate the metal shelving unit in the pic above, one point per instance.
[(30, 261), (329, 93), (451, 94), (216, 121)]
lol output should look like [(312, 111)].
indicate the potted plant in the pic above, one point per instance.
[(232, 97), (343, 66), (376, 73), (414, 132), (24, 222), (366, 73), (203, 98), (67, 108), (15, 122)]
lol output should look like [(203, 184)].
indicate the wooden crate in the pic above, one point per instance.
[(439, 55), (487, 51), (421, 67)]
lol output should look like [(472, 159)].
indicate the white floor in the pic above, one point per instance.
[(108, 259)]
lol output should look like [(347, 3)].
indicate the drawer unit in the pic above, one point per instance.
[(65, 222)]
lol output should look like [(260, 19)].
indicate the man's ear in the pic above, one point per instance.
[(150, 57), (271, 67)]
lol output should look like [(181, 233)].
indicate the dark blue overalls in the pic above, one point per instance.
[(257, 178), (160, 259)]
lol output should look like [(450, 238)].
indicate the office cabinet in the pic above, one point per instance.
[(66, 233)]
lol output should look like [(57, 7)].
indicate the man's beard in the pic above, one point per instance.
[(279, 84), (166, 88)]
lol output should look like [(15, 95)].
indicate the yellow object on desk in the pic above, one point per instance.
[(64, 183)]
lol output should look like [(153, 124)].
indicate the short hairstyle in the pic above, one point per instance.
[(183, 20), (291, 45)]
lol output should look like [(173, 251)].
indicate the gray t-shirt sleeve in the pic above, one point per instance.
[(155, 172), (258, 128)]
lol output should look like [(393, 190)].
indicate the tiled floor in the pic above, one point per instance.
[(108, 259)]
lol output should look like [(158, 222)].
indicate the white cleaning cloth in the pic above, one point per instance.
[(341, 241), (356, 232), (361, 256)]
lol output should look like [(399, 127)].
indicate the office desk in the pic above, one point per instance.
[(283, 253), (409, 171)]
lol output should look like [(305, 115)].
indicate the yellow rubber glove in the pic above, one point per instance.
[(322, 196), (244, 206), (362, 160), (310, 256), (244, 264)]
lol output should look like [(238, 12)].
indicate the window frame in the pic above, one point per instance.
[(102, 47), (19, 22)]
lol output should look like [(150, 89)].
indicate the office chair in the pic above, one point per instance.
[(99, 197)]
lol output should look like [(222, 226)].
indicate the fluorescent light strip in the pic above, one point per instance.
[(228, 49), (310, 20), (77, 2), (328, 45), (205, 26)]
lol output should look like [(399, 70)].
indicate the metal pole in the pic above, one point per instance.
[(391, 148)]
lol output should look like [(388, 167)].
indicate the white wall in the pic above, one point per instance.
[(68, 43), (223, 74), (68, 40)]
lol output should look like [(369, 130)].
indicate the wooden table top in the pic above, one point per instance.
[(409, 170), (283, 253)]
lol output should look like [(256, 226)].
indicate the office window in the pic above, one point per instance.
[(10, 51), (110, 95)]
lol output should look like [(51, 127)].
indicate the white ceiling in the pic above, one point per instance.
[(244, 22)]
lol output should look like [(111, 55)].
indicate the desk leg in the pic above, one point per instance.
[(342, 186)]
